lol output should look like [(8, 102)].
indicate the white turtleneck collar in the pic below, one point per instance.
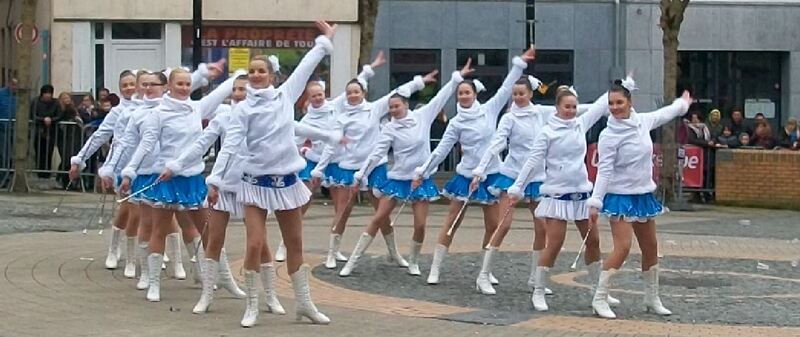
[(254, 96), (177, 105), (472, 112), (522, 111)]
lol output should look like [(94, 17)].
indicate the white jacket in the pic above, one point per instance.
[(409, 137), (626, 153), (361, 125), (324, 117), (264, 123), (174, 125), (559, 152), (473, 128), (101, 135), (124, 145)]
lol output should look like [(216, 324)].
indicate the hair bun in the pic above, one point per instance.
[(618, 82)]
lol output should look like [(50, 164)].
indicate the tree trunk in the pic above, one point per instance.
[(670, 22), (21, 127), (367, 14)]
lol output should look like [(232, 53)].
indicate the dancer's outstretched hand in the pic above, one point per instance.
[(530, 54), (379, 60), (327, 29)]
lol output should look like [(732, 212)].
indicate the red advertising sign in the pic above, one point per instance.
[(253, 37), (692, 168)]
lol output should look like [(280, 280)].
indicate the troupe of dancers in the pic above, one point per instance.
[(269, 163)]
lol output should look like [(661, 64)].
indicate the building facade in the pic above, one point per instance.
[(733, 53), (85, 44)]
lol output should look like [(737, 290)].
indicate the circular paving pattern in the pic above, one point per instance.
[(697, 290)]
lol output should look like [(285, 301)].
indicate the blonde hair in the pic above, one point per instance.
[(141, 73), (178, 71)]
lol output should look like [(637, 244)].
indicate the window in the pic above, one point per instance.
[(553, 68), (727, 80), (136, 31), (491, 67), (98, 30), (407, 63), (99, 67)]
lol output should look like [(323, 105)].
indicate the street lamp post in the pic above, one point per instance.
[(197, 28)]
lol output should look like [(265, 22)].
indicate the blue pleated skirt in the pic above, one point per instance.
[(138, 183), (457, 188), (377, 177), (504, 182), (305, 174), (401, 190), (337, 176), (632, 207), (181, 193)]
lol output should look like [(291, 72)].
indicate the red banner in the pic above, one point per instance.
[(252, 37), (692, 167)]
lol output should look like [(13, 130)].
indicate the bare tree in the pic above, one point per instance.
[(671, 18), (23, 65), (367, 14)]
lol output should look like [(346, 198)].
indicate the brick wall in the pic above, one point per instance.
[(758, 178)]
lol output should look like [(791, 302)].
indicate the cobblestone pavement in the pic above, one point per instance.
[(54, 283)]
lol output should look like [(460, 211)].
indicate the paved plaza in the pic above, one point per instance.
[(721, 276)]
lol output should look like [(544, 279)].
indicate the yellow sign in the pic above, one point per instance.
[(238, 58)]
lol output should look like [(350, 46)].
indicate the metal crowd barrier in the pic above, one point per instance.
[(64, 138)]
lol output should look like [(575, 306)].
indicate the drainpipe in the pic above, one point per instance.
[(616, 70)]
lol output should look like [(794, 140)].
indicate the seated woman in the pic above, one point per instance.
[(788, 138)]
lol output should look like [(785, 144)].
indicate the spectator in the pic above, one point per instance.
[(114, 99), (763, 136), (744, 141), (788, 139), (103, 93), (715, 123), (8, 110), (727, 138), (760, 118), (8, 100), (70, 134), (87, 109), (698, 133), (103, 110), (738, 124), (44, 111)]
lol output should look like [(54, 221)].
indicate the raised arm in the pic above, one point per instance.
[(380, 107), (519, 63), (661, 116), (597, 110), (449, 138), (498, 144), (208, 104), (437, 103), (538, 153), (296, 83)]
